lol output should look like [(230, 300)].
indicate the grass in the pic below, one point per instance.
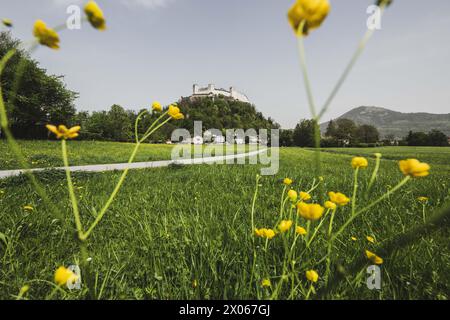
[(47, 154), (172, 226)]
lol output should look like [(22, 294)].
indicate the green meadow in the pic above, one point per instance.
[(185, 232)]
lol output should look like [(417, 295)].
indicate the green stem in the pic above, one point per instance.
[(252, 218), (355, 190), (374, 174), (73, 198)]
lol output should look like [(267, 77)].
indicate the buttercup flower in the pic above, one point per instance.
[(370, 239), (292, 194), (285, 225), (156, 106), (175, 113), (354, 238), (64, 133), (312, 275), (7, 23), (310, 211), (266, 283), (359, 162), (95, 15), (265, 233), (46, 36), (304, 196), (300, 230), (28, 208), (64, 276), (311, 12), (287, 181), (338, 198), (330, 205), (422, 199), (373, 257), (414, 168)]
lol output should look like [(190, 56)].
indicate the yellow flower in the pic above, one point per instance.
[(7, 22), (287, 181), (310, 211), (285, 225), (359, 162), (373, 257), (304, 196), (64, 276), (194, 283), (414, 168), (370, 239), (311, 12), (266, 283), (292, 194), (330, 205), (422, 199), (265, 233), (338, 198), (301, 231), (156, 106), (46, 36), (62, 131), (312, 275), (28, 208), (175, 113), (354, 238), (95, 15)]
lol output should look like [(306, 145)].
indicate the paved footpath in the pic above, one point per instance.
[(136, 165)]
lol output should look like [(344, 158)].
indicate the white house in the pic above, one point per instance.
[(212, 91)]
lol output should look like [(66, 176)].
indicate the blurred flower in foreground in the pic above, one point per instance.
[(414, 168), (309, 12), (7, 22), (373, 257), (64, 276), (175, 113), (46, 36), (292, 194), (156, 106), (312, 275), (285, 225), (95, 15), (300, 230), (62, 131), (338, 198), (265, 233), (310, 211), (330, 205), (359, 162)]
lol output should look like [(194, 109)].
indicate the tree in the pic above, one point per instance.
[(346, 130), (437, 138), (286, 138), (331, 129), (417, 139), (367, 134), (304, 133), (35, 98)]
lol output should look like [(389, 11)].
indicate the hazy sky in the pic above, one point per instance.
[(157, 49)]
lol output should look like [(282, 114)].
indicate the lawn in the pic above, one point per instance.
[(186, 232)]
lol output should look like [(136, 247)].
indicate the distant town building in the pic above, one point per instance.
[(211, 91)]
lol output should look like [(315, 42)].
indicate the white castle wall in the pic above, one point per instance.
[(212, 91)]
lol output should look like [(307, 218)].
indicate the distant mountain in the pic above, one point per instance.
[(390, 122)]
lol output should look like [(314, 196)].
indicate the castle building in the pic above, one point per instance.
[(211, 91)]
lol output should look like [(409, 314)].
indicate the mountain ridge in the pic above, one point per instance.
[(396, 123)]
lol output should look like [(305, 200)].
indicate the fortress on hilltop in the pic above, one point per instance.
[(211, 91)]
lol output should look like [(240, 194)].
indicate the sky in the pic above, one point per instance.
[(157, 49)]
